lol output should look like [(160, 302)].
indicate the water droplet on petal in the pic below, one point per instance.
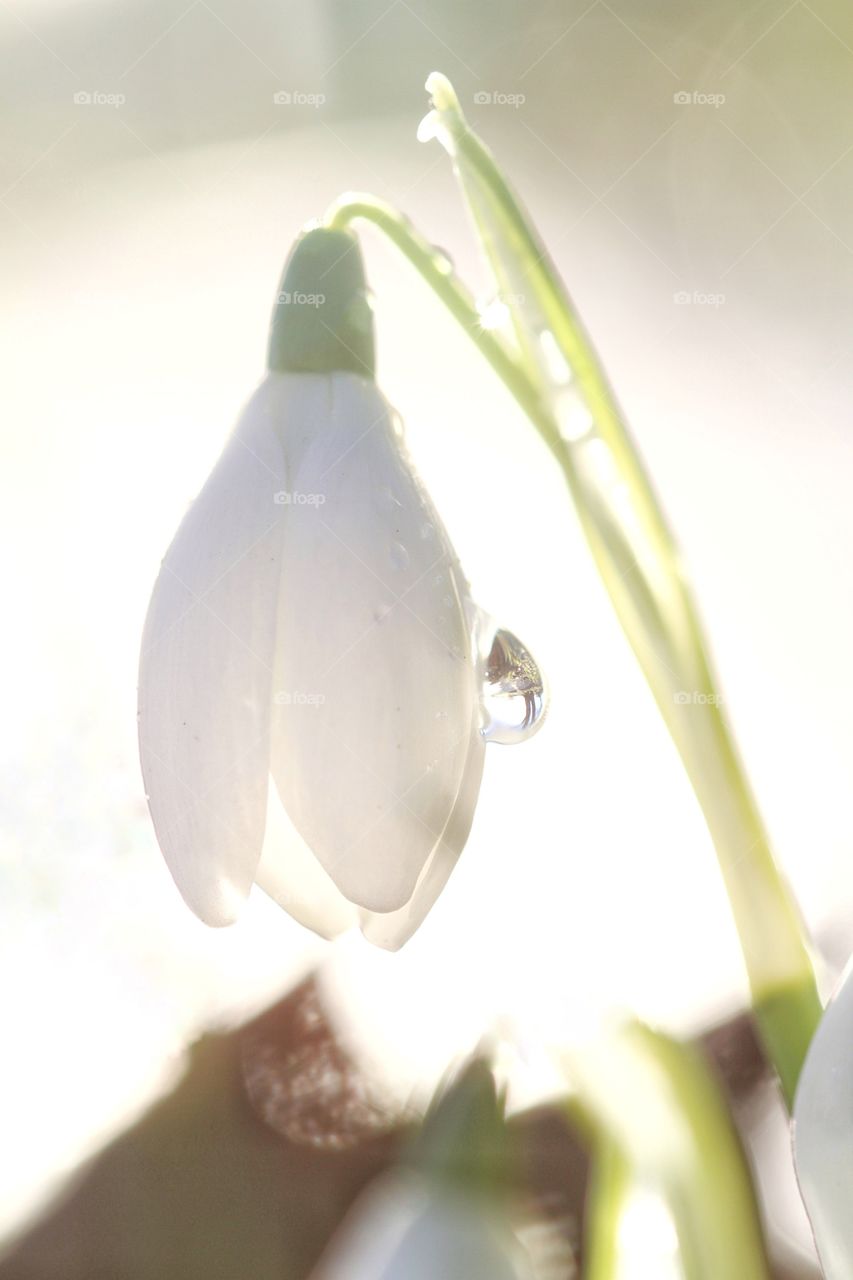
[(397, 425), (442, 262), (399, 556), (381, 611), (514, 696), (427, 531), (388, 499)]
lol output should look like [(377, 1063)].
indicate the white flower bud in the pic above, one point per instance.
[(312, 712)]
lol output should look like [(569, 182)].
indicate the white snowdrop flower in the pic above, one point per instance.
[(823, 1133), (316, 688)]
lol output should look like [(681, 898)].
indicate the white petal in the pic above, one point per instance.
[(404, 1229), (394, 928), (823, 1134), (372, 746), (289, 872), (206, 668)]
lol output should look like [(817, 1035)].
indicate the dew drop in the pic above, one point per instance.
[(397, 425), (442, 262), (494, 313), (388, 499), (598, 460), (381, 612), (399, 556), (514, 696), (574, 419), (555, 362), (427, 531)]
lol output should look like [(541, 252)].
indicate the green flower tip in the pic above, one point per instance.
[(463, 1139), (322, 320)]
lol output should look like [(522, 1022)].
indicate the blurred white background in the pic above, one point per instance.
[(709, 245)]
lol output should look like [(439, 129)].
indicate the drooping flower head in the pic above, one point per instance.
[(316, 687)]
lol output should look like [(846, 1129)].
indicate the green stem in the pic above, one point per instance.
[(638, 561), (433, 267), (607, 1195), (662, 1127)]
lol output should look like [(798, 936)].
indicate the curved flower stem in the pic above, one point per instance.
[(432, 265), (633, 548), (659, 1126)]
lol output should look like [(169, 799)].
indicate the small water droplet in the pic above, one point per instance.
[(493, 313), (556, 364), (381, 612), (397, 425), (399, 556), (442, 262), (598, 460), (388, 499), (574, 419), (427, 531), (514, 697)]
